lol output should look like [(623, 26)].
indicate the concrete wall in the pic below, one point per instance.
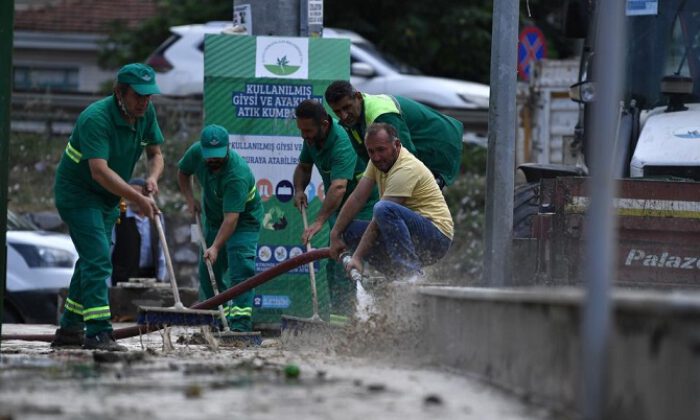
[(528, 341)]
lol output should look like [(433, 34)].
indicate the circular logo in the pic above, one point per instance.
[(295, 251), (284, 191), (687, 133), (282, 58), (280, 253), (264, 253)]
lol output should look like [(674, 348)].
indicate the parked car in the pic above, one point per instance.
[(39, 264), (179, 62), (371, 71)]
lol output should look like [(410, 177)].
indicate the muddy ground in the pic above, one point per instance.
[(189, 381)]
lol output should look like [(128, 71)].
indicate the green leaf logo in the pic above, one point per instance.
[(282, 68)]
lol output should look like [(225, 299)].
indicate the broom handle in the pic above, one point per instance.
[(312, 274), (168, 261), (212, 278)]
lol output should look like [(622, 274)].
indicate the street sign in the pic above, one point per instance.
[(532, 47)]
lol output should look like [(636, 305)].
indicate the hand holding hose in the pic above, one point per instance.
[(352, 266)]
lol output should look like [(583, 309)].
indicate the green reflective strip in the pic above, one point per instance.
[(339, 319), (99, 312), (237, 311), (73, 153), (251, 193), (73, 306)]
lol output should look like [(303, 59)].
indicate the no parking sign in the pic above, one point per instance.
[(532, 47)]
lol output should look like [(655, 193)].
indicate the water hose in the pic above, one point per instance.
[(211, 303)]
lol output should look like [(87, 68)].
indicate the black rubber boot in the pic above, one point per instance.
[(68, 338), (103, 341)]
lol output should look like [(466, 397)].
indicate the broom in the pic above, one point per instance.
[(296, 323), (227, 335), (177, 314)]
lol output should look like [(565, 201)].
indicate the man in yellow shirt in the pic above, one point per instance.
[(411, 225)]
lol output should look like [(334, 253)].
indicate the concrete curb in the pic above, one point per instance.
[(528, 341)]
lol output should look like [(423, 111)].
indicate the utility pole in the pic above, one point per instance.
[(285, 17), (500, 171), (601, 226), (7, 13)]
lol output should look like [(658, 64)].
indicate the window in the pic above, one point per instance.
[(44, 78)]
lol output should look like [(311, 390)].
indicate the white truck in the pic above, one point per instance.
[(656, 153)]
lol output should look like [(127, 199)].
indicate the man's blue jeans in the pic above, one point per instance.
[(406, 242)]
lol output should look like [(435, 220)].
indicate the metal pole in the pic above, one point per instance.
[(501, 148), (601, 226), (7, 13)]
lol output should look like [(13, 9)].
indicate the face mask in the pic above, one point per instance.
[(122, 107)]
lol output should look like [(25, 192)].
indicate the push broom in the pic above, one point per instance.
[(177, 314), (289, 322), (226, 336)]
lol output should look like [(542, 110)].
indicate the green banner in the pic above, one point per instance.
[(251, 87)]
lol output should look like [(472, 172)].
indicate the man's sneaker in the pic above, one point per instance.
[(68, 338), (103, 341)]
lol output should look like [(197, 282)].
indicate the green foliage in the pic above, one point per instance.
[(34, 159), (440, 37), (473, 159), (466, 199), (135, 45)]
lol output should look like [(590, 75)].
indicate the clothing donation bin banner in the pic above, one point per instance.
[(251, 87)]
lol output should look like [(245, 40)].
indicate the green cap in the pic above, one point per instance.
[(214, 142), (140, 77)]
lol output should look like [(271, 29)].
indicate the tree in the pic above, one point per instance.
[(439, 37), (125, 46)]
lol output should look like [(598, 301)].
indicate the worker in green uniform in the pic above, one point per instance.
[(434, 138), (232, 213), (327, 146), (107, 141)]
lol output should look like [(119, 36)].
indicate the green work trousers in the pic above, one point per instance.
[(233, 265), (87, 304)]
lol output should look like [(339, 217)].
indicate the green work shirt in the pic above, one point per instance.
[(229, 190), (437, 138), (102, 133), (336, 160)]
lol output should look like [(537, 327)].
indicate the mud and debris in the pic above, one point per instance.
[(370, 368), (259, 382)]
